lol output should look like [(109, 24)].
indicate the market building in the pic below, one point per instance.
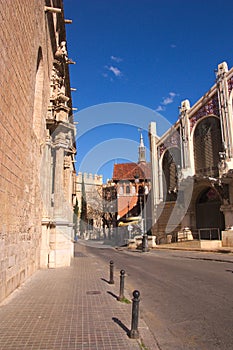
[(192, 169)]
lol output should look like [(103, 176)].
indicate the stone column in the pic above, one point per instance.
[(154, 170), (187, 162), (68, 181), (46, 190), (160, 179), (61, 245), (227, 234), (225, 112), (59, 175), (46, 175), (227, 210)]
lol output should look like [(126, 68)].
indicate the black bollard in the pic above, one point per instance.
[(111, 280), (122, 285), (134, 334), (145, 243)]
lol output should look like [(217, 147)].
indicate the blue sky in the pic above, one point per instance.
[(145, 54)]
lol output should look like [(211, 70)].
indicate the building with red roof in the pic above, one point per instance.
[(133, 184)]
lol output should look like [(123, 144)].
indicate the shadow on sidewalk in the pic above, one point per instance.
[(116, 320), (112, 294), (103, 279)]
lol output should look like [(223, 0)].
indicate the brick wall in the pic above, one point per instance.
[(23, 34)]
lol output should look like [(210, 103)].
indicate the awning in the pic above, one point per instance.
[(121, 223)]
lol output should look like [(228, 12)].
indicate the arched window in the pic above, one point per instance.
[(127, 189), (171, 162), (207, 145), (121, 190)]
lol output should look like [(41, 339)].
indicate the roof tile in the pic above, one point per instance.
[(131, 171)]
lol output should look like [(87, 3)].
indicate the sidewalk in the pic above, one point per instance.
[(70, 308)]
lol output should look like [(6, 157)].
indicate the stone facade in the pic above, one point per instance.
[(192, 166), (90, 205), (36, 142), (110, 211)]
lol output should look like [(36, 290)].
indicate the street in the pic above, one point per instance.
[(186, 297)]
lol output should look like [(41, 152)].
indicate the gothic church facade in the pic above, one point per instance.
[(37, 141)]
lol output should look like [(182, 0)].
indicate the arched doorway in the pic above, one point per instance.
[(209, 218)]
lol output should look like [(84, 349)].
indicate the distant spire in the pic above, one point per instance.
[(141, 151), (141, 141)]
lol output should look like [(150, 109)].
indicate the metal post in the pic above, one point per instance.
[(145, 243), (111, 280), (134, 334), (144, 200), (122, 285)]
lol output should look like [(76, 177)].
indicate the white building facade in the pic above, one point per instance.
[(192, 168)]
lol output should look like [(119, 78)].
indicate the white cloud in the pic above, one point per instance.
[(116, 59), (166, 101), (160, 108), (169, 99), (116, 71)]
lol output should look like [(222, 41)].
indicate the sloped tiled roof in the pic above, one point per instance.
[(131, 171)]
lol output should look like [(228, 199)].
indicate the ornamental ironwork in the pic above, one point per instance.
[(207, 145), (173, 140), (210, 108), (230, 84)]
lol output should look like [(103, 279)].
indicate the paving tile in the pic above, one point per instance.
[(66, 308)]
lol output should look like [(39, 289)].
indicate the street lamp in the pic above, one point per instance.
[(143, 219), (142, 224), (127, 215), (145, 237)]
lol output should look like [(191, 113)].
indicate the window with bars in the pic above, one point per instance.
[(171, 162), (207, 145)]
